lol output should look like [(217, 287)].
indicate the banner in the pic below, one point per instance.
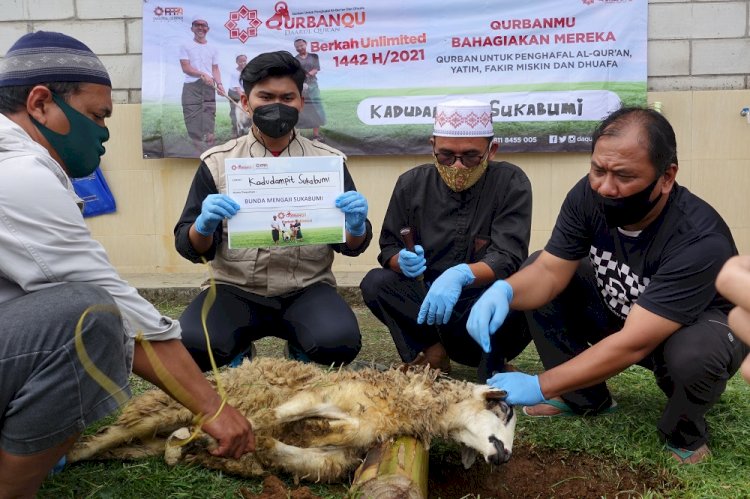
[(549, 69)]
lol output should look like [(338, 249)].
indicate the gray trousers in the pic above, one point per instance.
[(46, 396), (199, 110)]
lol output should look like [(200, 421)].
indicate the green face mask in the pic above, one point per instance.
[(81, 148)]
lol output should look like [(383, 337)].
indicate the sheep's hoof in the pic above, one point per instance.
[(173, 450)]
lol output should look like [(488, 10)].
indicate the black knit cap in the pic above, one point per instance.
[(47, 56)]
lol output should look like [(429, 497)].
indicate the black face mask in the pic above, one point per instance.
[(629, 210), (275, 120)]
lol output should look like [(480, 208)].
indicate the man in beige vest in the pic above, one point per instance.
[(283, 291)]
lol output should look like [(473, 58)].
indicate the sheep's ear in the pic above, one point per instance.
[(496, 395), (468, 456)]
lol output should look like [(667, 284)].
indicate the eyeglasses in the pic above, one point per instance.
[(200, 25), (468, 160)]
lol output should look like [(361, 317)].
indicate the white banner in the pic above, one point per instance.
[(285, 201), (548, 68)]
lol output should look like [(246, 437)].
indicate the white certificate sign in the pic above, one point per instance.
[(285, 201)]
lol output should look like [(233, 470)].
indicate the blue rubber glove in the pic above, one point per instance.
[(354, 206), (443, 295), (412, 264), (215, 208), (523, 389), (489, 313)]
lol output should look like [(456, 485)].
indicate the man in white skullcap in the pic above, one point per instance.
[(55, 280), (470, 218)]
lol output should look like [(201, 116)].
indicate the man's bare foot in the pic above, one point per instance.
[(435, 356), (547, 409)]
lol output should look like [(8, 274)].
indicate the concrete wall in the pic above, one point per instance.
[(698, 68)]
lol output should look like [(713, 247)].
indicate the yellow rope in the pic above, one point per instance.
[(88, 365), (168, 381)]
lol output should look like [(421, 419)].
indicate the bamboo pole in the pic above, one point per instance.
[(393, 469)]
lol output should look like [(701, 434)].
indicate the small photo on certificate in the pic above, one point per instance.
[(285, 201)]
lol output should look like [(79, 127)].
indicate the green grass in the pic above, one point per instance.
[(627, 437), (262, 238)]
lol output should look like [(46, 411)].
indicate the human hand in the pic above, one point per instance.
[(220, 89), (207, 79), (412, 264), (522, 389), (489, 313), (443, 295), (232, 431), (215, 208), (354, 206), (733, 280)]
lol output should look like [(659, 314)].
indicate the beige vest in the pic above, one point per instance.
[(268, 271)]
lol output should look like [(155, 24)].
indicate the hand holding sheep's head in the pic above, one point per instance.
[(485, 424)]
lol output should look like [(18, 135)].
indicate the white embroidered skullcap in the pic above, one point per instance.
[(463, 118)]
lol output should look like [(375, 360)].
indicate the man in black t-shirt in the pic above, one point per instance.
[(626, 278)]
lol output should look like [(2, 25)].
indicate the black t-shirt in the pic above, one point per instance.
[(669, 268)]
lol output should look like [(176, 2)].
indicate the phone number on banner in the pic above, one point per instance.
[(381, 58)]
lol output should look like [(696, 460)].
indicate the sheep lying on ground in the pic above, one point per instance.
[(315, 424)]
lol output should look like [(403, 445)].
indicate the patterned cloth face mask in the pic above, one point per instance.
[(459, 179)]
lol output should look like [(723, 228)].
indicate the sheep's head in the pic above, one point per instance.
[(484, 423)]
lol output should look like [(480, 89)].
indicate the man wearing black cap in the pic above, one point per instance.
[(284, 291), (54, 97)]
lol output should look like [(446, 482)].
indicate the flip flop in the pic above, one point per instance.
[(685, 456), (565, 409), (59, 467)]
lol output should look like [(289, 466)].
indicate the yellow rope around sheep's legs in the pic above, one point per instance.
[(200, 419)]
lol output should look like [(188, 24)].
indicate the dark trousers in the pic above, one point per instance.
[(235, 96), (691, 367), (315, 319), (199, 110), (395, 300)]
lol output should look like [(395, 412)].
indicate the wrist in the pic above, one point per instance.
[(539, 387), (358, 231), (504, 288), (466, 274), (202, 228)]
